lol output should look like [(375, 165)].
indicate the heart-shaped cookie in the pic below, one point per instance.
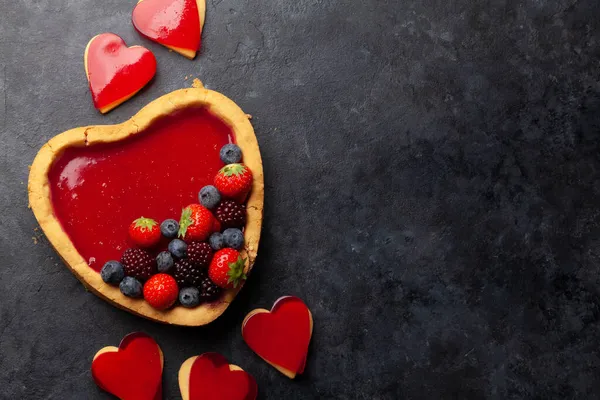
[(280, 336), (86, 185), (210, 377), (114, 71), (132, 371), (176, 24)]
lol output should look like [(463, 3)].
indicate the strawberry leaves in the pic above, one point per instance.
[(185, 221), (236, 272)]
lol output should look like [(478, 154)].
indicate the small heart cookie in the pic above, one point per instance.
[(176, 24), (280, 336), (210, 377), (133, 371), (114, 71)]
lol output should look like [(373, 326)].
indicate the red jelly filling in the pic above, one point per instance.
[(98, 190)]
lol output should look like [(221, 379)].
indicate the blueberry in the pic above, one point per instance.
[(112, 272), (164, 261), (189, 297), (216, 241), (234, 238), (231, 154), (169, 228), (131, 287), (209, 196), (178, 248)]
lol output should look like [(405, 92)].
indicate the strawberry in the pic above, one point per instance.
[(196, 223), (217, 226), (227, 268), (234, 181), (144, 232), (161, 291)]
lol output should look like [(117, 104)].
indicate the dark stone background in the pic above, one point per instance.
[(432, 175)]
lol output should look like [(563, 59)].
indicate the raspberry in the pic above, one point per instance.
[(231, 214), (138, 264), (199, 254), (187, 274), (208, 290)]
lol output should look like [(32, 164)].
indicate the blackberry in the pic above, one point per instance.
[(208, 290), (200, 254), (187, 274), (138, 264), (231, 214)]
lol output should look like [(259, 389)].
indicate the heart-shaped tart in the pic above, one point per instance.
[(114, 71), (280, 336), (87, 184), (210, 377), (176, 24), (132, 371)]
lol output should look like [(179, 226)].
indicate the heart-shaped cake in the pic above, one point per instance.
[(132, 371), (87, 184), (176, 24), (210, 377)]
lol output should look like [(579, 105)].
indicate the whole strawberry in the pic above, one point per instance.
[(234, 181), (227, 268), (144, 232), (196, 223), (161, 291), (138, 264)]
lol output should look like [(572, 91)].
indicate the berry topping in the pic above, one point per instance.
[(164, 261), (131, 287), (231, 214), (112, 272), (231, 154), (169, 228), (161, 291), (209, 196), (144, 232), (234, 181), (200, 254), (227, 268), (189, 297), (208, 290), (138, 264), (216, 241), (178, 248), (188, 274), (216, 225), (196, 223), (234, 238)]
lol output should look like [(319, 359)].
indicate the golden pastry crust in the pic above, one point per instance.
[(41, 204)]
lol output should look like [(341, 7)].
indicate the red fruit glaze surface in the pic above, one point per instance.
[(98, 190), (116, 71), (211, 379), (169, 22), (161, 291), (139, 360), (281, 336)]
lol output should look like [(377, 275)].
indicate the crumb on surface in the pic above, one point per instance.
[(196, 83), (249, 116), (35, 240)]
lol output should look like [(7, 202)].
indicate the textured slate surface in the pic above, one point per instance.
[(432, 173)]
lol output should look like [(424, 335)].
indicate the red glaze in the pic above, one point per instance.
[(132, 373), (116, 71), (281, 336), (211, 379), (173, 23), (98, 190)]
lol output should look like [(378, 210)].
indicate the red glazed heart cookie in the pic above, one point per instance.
[(133, 371), (210, 377), (114, 71), (281, 336), (176, 24)]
